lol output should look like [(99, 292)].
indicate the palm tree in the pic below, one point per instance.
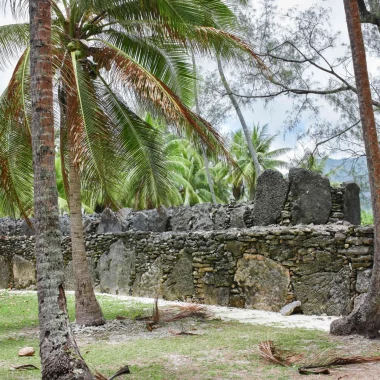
[(103, 55), (246, 176), (60, 356)]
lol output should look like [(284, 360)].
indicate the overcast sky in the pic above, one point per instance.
[(275, 113)]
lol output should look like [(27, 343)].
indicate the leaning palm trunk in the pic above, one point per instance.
[(60, 356), (366, 319), (244, 125), (204, 155)]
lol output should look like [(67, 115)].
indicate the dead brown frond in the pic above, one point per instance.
[(268, 351), (24, 367), (176, 332), (122, 371)]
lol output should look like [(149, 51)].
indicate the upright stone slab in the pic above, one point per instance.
[(158, 219), (270, 198), (140, 221), (181, 219), (221, 218), (115, 269), (109, 222), (237, 216), (5, 275), (311, 197), (202, 217), (351, 203), (24, 272)]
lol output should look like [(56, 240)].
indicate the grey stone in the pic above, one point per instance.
[(27, 229), (148, 284), (221, 219), (264, 282), (64, 225), (237, 216), (140, 221), (290, 308), (359, 300), (216, 296), (179, 284), (324, 292), (5, 274), (270, 198), (351, 203), (24, 272), (115, 269), (109, 222), (202, 217), (69, 274), (158, 219), (181, 219), (363, 280), (311, 197)]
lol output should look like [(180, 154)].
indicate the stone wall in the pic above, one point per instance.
[(327, 267), (223, 254)]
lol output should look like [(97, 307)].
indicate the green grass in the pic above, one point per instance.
[(222, 350), (367, 217)]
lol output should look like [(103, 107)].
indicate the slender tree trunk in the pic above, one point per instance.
[(60, 356), (204, 155), (87, 308), (243, 123), (366, 319)]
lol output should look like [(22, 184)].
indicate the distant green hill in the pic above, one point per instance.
[(350, 170)]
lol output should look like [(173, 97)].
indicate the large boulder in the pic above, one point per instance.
[(115, 269), (270, 198), (351, 203), (311, 197), (109, 222), (264, 282), (181, 219)]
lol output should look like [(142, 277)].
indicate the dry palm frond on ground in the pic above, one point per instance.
[(269, 352)]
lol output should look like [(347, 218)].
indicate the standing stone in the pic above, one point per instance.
[(363, 280), (221, 219), (351, 203), (264, 283), (4, 274), (115, 269), (148, 284), (140, 221), (311, 197), (202, 217), (69, 274), (158, 219), (109, 222), (24, 272), (181, 219), (179, 284), (270, 198), (237, 216)]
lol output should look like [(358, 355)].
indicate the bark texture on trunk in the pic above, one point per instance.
[(366, 319), (243, 123), (87, 308), (204, 154), (60, 357)]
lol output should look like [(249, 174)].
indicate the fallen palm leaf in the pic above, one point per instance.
[(175, 332), (24, 367), (120, 318), (314, 371), (268, 351), (122, 371)]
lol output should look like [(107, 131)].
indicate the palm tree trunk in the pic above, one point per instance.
[(366, 319), (87, 308), (243, 123), (204, 155), (60, 357)]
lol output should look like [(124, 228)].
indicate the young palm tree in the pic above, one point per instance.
[(60, 356), (247, 176), (103, 54)]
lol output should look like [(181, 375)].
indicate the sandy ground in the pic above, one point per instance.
[(255, 317)]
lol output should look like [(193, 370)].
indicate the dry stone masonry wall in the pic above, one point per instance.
[(226, 255)]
